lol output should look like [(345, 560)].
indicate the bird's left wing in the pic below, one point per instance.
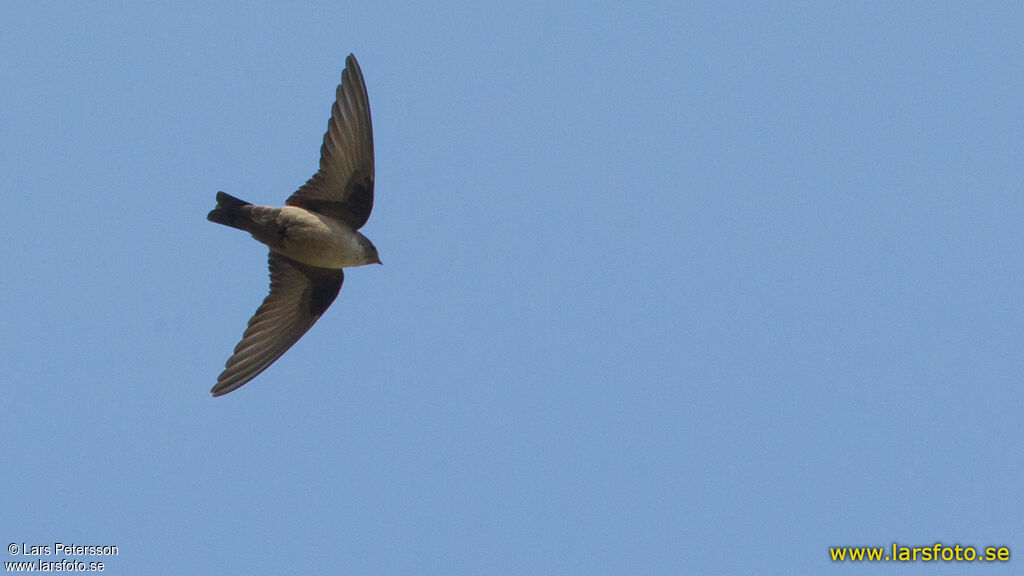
[(299, 294)]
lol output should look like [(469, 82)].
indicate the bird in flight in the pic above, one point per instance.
[(311, 238)]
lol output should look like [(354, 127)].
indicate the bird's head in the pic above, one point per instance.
[(369, 251)]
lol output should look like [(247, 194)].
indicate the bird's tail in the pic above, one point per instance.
[(228, 210)]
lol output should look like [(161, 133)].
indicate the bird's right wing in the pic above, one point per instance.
[(343, 186)]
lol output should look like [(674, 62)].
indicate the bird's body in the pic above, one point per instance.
[(322, 241), (310, 239), (299, 234)]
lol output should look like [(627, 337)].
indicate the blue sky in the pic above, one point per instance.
[(668, 289)]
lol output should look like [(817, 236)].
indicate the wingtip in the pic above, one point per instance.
[(220, 390), (352, 64), (226, 386)]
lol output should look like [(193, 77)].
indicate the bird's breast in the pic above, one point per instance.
[(317, 240)]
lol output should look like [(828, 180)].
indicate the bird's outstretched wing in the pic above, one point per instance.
[(343, 187), (299, 294)]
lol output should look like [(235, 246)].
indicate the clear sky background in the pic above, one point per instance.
[(668, 288)]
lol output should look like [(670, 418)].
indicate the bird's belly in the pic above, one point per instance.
[(318, 241)]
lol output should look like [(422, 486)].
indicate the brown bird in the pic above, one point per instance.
[(311, 238)]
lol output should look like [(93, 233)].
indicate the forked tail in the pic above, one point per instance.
[(227, 211)]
